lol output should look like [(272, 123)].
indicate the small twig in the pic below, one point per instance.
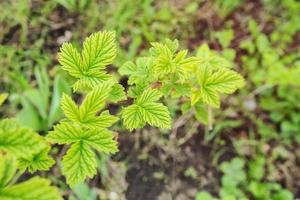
[(173, 176), (287, 175), (16, 178), (62, 152), (56, 26), (210, 118), (260, 89), (180, 122), (188, 134)]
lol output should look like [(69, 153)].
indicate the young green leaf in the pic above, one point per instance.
[(36, 188), (79, 163), (117, 93), (94, 101), (147, 110), (156, 114), (87, 83), (224, 81), (70, 108), (86, 114), (70, 60), (102, 140), (67, 133), (213, 83), (99, 50), (8, 168), (37, 161), (142, 71), (211, 59), (138, 89), (132, 117), (168, 62), (201, 112), (105, 120), (19, 141), (149, 95)]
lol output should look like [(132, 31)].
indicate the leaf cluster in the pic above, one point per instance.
[(198, 80), (21, 149), (85, 128)]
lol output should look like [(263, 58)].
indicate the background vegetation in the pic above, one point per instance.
[(249, 149)]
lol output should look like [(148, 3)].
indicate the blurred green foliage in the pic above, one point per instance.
[(264, 47)]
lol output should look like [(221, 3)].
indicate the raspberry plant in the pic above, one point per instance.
[(164, 73)]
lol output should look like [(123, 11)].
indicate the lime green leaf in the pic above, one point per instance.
[(36, 188), (94, 101), (99, 50), (180, 55), (100, 122), (283, 194), (128, 68), (170, 63), (8, 168), (105, 120), (164, 61), (102, 140), (68, 133), (156, 114), (182, 89), (213, 83), (225, 81), (86, 114), (19, 141), (70, 108), (132, 117), (117, 93), (172, 44), (36, 161), (70, 60), (87, 83), (201, 113), (210, 96), (195, 97), (147, 110), (149, 95), (65, 133), (142, 71), (79, 163), (138, 89), (211, 59), (204, 52)]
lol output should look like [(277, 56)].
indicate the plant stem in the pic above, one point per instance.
[(16, 177), (210, 118)]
